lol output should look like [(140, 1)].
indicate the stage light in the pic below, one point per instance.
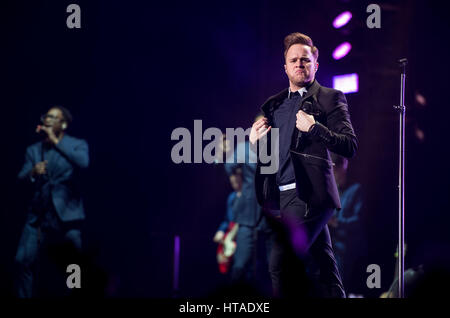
[(342, 50), (420, 99), (342, 19), (347, 83)]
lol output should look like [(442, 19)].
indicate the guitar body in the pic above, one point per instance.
[(227, 248)]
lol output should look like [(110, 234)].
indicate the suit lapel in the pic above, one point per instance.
[(51, 162), (312, 91)]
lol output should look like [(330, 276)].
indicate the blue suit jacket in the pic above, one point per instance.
[(60, 185)]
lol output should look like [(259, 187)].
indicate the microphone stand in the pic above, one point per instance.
[(401, 181)]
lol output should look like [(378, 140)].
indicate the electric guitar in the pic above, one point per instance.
[(227, 248)]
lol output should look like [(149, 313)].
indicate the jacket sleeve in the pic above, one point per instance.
[(25, 172), (77, 153), (338, 134)]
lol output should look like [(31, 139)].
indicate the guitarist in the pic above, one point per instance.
[(253, 225), (226, 234)]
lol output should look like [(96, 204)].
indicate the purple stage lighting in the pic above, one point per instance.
[(342, 50), (342, 19), (347, 83)]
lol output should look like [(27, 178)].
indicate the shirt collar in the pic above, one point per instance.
[(301, 91)]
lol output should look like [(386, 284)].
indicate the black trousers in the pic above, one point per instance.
[(302, 262)]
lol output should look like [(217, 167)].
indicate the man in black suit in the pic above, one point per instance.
[(311, 120)]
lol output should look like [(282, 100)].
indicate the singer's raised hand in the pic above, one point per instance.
[(50, 133), (260, 128)]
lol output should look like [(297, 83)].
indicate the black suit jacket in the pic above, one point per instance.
[(309, 152)]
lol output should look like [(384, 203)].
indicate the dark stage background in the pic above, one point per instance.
[(137, 70)]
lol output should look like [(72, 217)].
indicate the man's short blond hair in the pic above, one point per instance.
[(300, 38)]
